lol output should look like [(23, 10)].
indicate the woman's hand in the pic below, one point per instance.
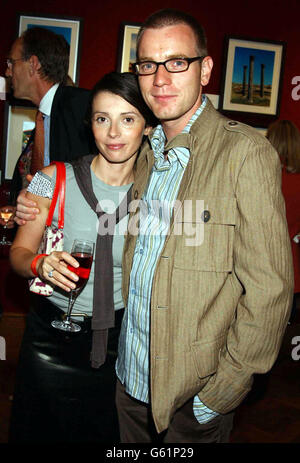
[(54, 268)]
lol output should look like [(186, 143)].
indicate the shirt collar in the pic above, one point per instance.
[(158, 142), (47, 100), (195, 115)]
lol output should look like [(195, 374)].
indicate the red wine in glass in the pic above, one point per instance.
[(82, 251), (83, 271)]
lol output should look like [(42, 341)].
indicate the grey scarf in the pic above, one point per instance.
[(103, 316)]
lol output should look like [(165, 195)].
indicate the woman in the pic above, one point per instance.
[(59, 397), (285, 137)]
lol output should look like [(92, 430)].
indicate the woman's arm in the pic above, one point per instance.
[(27, 241), (28, 238)]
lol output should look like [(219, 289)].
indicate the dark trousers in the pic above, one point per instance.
[(136, 423), (58, 396)]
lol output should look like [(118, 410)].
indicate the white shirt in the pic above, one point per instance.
[(45, 108)]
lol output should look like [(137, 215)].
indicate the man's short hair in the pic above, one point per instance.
[(173, 17), (52, 51)]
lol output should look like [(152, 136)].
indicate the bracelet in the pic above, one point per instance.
[(34, 262)]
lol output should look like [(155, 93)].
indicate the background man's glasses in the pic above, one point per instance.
[(10, 62), (146, 68)]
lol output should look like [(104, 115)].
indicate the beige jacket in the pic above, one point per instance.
[(219, 309)]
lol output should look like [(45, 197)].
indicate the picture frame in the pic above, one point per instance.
[(19, 122), (127, 46), (69, 27), (252, 77)]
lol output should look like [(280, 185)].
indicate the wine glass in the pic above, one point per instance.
[(6, 213), (82, 251)]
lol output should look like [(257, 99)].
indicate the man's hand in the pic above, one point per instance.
[(10, 223), (26, 209)]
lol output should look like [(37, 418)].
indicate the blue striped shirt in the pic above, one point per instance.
[(132, 365)]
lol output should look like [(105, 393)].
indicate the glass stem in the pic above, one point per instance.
[(72, 299)]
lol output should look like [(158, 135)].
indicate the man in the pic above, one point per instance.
[(38, 69), (202, 316)]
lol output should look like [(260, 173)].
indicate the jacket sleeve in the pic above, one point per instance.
[(22, 168), (15, 186), (70, 136), (263, 266)]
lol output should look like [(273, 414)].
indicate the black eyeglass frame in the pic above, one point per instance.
[(158, 63), (10, 61)]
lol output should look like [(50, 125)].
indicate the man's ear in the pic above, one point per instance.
[(34, 64), (148, 129), (206, 68)]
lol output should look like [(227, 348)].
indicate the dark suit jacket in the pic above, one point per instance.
[(70, 138)]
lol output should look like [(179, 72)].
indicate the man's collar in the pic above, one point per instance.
[(158, 131), (47, 100)]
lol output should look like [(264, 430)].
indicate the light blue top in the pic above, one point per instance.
[(81, 222)]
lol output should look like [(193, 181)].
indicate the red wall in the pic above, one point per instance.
[(266, 19)]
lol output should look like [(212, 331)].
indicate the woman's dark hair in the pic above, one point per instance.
[(126, 86), (52, 51)]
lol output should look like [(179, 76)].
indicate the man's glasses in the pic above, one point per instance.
[(10, 62), (146, 68)]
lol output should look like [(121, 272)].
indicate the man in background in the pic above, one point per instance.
[(38, 70)]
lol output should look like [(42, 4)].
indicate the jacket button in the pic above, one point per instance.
[(136, 193), (205, 216)]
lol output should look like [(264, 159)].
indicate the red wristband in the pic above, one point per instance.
[(34, 262)]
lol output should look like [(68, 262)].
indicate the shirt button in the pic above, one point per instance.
[(205, 216), (136, 193), (232, 123)]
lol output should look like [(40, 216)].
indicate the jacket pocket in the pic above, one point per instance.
[(206, 356), (204, 240)]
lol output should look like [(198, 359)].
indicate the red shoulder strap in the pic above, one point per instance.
[(61, 210), (59, 190)]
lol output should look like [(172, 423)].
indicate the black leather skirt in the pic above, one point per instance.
[(58, 396)]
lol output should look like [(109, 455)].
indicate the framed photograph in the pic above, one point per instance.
[(127, 46), (252, 76), (70, 28), (19, 123)]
